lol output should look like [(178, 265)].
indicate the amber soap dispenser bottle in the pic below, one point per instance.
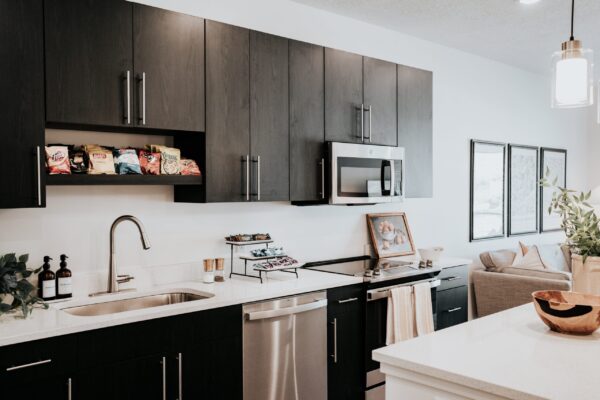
[(47, 281), (64, 280)]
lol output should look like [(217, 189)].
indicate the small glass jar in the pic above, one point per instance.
[(209, 271), (219, 270)]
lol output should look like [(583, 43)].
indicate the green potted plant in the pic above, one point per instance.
[(582, 229), (17, 294)]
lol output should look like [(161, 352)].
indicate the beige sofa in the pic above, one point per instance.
[(498, 285)]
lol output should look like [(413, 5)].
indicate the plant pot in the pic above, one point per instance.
[(586, 276)]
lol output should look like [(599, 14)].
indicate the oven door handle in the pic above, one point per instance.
[(384, 293), (384, 164)]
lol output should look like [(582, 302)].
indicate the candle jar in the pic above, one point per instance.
[(219, 270), (209, 271)]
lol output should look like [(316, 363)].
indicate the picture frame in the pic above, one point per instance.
[(487, 198), (390, 234), (523, 190), (556, 161)]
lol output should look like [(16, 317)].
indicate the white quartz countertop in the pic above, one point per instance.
[(54, 322), (511, 354)]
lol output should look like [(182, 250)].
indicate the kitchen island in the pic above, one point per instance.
[(508, 355)]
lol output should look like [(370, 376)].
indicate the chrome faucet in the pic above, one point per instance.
[(113, 278)]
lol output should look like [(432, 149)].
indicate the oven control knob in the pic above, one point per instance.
[(368, 273), (377, 272)]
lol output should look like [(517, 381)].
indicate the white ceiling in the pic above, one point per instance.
[(505, 30)]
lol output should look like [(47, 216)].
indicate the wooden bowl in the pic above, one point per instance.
[(568, 312)]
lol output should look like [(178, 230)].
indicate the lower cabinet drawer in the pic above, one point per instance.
[(453, 277), (452, 307)]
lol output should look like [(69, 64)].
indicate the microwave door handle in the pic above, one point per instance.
[(384, 164), (392, 179)]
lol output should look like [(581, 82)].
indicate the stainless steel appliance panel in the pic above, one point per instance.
[(285, 348)]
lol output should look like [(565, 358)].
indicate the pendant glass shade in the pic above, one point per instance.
[(572, 76)]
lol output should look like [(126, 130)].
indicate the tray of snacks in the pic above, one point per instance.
[(264, 253), (277, 264), (244, 239)]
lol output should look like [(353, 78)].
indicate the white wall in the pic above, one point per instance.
[(473, 98)]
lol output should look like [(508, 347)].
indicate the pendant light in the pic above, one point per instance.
[(572, 73)]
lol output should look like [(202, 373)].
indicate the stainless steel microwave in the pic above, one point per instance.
[(365, 174)]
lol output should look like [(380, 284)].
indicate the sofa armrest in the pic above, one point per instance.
[(496, 291)]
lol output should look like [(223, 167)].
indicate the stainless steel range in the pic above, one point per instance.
[(379, 275)]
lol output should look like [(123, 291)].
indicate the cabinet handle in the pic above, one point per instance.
[(69, 389), (348, 300), (127, 116), (322, 178), (452, 278), (258, 173), (334, 355), (38, 174), (246, 160), (180, 362), (164, 377), (454, 309), (362, 122), (142, 118), (370, 111), (33, 364)]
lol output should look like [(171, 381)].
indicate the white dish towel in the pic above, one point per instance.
[(423, 309), (400, 315)]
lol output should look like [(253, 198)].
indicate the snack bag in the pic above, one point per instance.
[(57, 160), (126, 161), (101, 160), (150, 162), (169, 159), (77, 160), (189, 167)]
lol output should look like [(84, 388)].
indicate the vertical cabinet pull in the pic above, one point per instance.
[(361, 111), (142, 117), (370, 111), (334, 355), (246, 160), (180, 365), (258, 177), (127, 114), (164, 377), (322, 178), (69, 389), (38, 174)]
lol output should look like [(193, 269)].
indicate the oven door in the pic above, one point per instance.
[(375, 336), (364, 174)]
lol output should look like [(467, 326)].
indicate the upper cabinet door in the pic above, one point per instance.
[(381, 126), (88, 59), (269, 117), (22, 103), (415, 130), (343, 95), (169, 69), (307, 122), (227, 113)]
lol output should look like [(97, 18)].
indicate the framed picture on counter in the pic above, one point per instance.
[(390, 234), (553, 165), (523, 189), (488, 166)]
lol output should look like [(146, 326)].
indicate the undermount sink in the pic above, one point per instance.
[(136, 303)]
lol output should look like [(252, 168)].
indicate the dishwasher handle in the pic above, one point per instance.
[(256, 315)]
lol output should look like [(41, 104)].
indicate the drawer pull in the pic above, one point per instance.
[(454, 309), (452, 278), (348, 300), (33, 364)]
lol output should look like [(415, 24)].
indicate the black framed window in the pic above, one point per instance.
[(523, 189)]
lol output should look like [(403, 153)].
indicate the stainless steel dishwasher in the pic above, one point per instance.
[(285, 348)]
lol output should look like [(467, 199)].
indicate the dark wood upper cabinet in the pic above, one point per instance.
[(343, 94), (227, 112), (169, 60), (381, 100), (22, 103), (89, 52), (307, 122), (269, 110), (415, 129)]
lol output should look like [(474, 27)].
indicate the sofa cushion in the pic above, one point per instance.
[(531, 260), (553, 256), (495, 260), (538, 273)]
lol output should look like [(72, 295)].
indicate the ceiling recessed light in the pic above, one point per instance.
[(528, 1)]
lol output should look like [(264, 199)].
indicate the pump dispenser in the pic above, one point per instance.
[(47, 281), (64, 280)]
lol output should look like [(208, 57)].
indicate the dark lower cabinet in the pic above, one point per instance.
[(89, 57), (415, 129), (307, 122), (346, 343), (22, 104), (452, 297)]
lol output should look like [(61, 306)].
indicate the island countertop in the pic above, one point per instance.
[(508, 355)]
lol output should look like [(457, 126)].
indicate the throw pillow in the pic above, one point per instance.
[(553, 257), (495, 260), (531, 260), (524, 248)]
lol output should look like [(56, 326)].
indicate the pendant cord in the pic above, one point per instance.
[(572, 18)]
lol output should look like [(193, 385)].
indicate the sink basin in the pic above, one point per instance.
[(136, 303)]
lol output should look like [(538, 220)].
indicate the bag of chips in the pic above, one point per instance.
[(57, 160), (189, 167), (150, 162), (77, 160), (126, 161), (101, 160), (169, 159)]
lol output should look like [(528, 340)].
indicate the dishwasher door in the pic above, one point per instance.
[(285, 348)]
